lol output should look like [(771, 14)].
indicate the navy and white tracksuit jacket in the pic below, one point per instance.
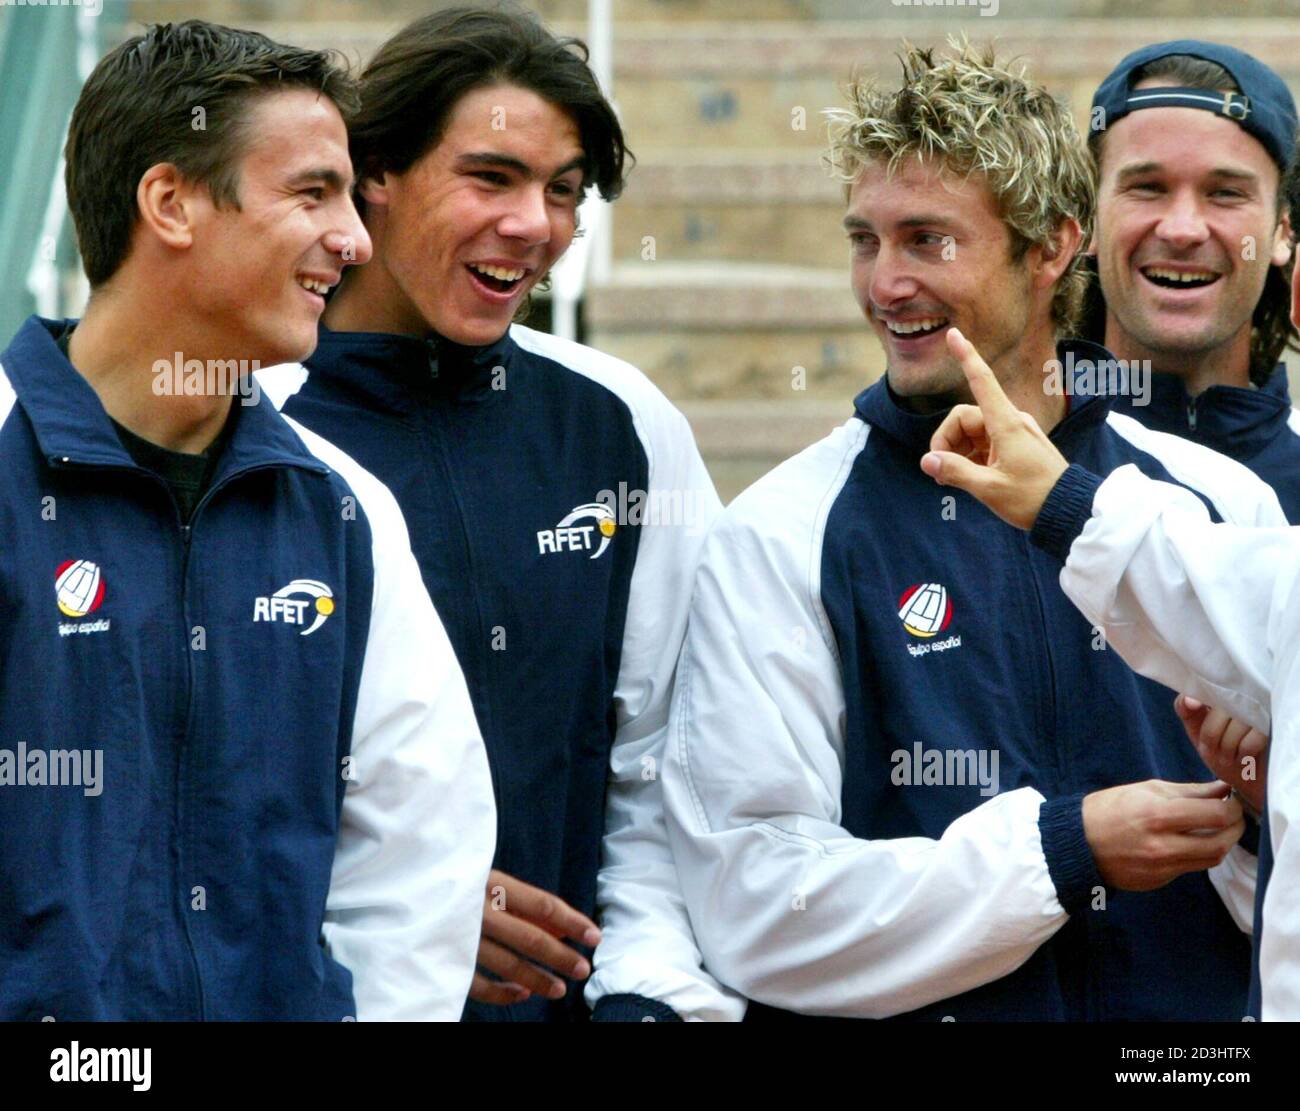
[(294, 819), (1260, 429), (557, 505), (863, 645)]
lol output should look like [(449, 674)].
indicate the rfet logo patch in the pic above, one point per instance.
[(287, 608), (925, 609), (572, 535)]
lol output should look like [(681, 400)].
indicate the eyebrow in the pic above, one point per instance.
[(509, 162), (857, 223), (1230, 172), (330, 177)]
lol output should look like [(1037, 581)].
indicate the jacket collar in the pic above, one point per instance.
[(71, 425), (879, 407), (395, 370), (1238, 421)]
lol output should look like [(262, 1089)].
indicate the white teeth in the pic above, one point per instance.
[(907, 327), (499, 272), (1179, 275), (313, 286)]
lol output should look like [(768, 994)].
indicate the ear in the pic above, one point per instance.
[(1054, 261), (375, 190), (1295, 292), (1281, 253), (168, 205)]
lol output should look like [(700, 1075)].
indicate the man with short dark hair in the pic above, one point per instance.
[(1193, 142), (556, 499), (247, 781)]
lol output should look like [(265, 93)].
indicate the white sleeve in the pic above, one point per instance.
[(1234, 880), (1213, 610), (647, 947), (418, 826), (789, 908), (1186, 602)]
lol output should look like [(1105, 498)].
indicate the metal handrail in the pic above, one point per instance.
[(592, 252)]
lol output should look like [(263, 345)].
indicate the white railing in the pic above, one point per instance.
[(44, 278), (591, 254)]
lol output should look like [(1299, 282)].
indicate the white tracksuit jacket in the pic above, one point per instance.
[(1212, 610)]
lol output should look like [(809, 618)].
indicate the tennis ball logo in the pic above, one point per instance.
[(78, 587), (925, 609)]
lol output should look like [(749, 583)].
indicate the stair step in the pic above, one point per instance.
[(743, 440)]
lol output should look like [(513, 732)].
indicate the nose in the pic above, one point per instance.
[(890, 280), (1182, 223), (350, 241), (527, 218)]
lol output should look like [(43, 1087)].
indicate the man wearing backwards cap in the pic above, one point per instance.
[(1193, 143)]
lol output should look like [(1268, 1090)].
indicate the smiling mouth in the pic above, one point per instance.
[(499, 279), (915, 329), (1178, 279)]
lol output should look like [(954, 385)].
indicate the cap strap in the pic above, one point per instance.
[(1235, 106)]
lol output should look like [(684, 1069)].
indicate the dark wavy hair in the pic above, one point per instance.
[(415, 80), (1271, 331)]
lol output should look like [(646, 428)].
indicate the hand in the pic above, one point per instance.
[(1143, 835), (522, 926), (993, 451), (1231, 749)]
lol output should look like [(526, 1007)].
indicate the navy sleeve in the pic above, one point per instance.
[(1067, 509), (1069, 858), (632, 1008)]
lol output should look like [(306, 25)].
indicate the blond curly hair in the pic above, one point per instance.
[(975, 115)]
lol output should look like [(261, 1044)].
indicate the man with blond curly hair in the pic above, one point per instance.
[(904, 776)]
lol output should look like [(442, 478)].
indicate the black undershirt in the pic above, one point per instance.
[(187, 475)]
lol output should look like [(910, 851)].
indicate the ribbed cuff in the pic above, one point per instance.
[(1069, 859), (1067, 509), (632, 1008)]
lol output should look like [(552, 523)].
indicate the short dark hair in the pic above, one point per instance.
[(412, 84), (137, 110), (1271, 331)]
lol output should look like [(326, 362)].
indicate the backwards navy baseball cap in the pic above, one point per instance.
[(1264, 107)]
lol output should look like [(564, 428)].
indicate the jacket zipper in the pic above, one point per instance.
[(438, 446), (187, 535), (1191, 413), (186, 532)]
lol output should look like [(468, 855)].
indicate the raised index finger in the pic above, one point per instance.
[(998, 411)]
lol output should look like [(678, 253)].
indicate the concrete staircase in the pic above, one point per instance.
[(729, 283)]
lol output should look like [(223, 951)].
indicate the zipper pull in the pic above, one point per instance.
[(1191, 414)]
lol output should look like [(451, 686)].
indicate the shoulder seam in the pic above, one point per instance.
[(8, 396), (838, 481), (1183, 469), (537, 343)]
